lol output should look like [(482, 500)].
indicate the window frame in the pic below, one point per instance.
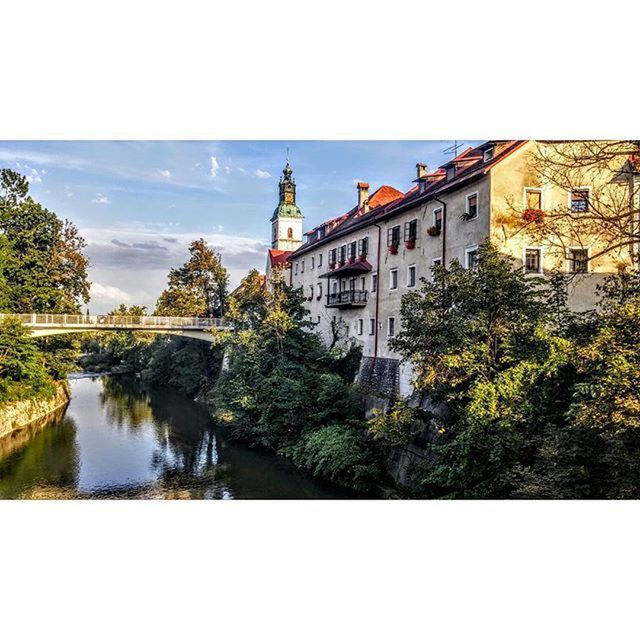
[(360, 326), (391, 320), (391, 274), (466, 205), (391, 233), (374, 282), (540, 251), (488, 155), (407, 230), (372, 326), (467, 251), (439, 210), (415, 276), (525, 204), (313, 263), (570, 204), (571, 261)]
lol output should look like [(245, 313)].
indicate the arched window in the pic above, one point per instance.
[(275, 234), (290, 233)]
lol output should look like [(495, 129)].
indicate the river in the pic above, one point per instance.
[(116, 439)]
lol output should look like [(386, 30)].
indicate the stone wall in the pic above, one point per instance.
[(20, 414)]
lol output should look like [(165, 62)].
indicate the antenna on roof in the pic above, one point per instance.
[(453, 148)]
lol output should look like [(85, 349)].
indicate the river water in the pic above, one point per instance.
[(116, 439)]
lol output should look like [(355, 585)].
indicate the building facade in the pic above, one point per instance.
[(354, 268)]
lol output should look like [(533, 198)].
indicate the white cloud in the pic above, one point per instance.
[(107, 293), (33, 177), (214, 167), (100, 199), (259, 173), (165, 173), (242, 170), (49, 159), (227, 169)]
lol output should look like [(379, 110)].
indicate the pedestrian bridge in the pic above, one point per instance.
[(55, 324)]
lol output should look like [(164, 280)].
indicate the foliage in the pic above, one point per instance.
[(395, 426), (198, 288), (22, 371), (341, 453), (43, 267)]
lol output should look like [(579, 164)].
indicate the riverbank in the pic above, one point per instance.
[(20, 414)]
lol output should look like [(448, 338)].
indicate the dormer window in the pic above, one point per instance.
[(451, 173), (488, 154)]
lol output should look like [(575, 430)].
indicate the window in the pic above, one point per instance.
[(360, 326), (363, 283), (374, 282), (392, 327), (533, 260), (313, 262), (363, 247), (393, 279), (472, 206), (321, 231), (488, 154), (353, 247), (311, 291), (318, 322), (335, 288), (275, 234), (393, 236), (319, 260), (290, 233), (532, 198), (332, 256), (471, 257), (579, 199), (411, 276), (296, 269), (578, 260), (302, 267), (319, 290), (343, 253), (451, 173), (436, 262), (437, 219), (372, 326), (410, 230)]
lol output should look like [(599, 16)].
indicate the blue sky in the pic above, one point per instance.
[(139, 204)]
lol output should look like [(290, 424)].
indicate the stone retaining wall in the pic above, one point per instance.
[(20, 414)]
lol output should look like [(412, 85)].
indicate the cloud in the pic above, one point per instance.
[(214, 167), (165, 173), (171, 240), (67, 191), (33, 177), (119, 243), (100, 199), (36, 157), (242, 170), (259, 173), (108, 293)]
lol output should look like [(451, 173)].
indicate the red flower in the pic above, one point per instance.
[(533, 215), (393, 249), (410, 244)]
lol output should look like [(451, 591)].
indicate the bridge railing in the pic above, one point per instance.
[(108, 321)]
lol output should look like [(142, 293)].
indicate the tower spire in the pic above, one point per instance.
[(286, 221)]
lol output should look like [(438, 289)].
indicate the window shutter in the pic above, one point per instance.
[(407, 230), (389, 237)]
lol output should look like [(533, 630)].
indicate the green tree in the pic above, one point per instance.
[(199, 287), (481, 341)]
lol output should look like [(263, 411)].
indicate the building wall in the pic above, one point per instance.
[(500, 194), (281, 226)]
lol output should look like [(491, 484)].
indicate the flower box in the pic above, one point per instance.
[(332, 265), (410, 244), (393, 249), (341, 263), (352, 259), (362, 257), (533, 215), (433, 231)]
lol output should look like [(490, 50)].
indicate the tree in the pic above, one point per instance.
[(199, 286), (609, 222), (22, 371), (135, 311), (480, 341), (43, 267), (247, 305)]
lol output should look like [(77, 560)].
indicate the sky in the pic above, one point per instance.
[(139, 204)]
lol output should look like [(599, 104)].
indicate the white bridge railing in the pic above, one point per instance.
[(111, 322)]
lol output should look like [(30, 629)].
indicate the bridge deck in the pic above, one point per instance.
[(105, 322)]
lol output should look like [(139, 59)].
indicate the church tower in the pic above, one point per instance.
[(286, 222)]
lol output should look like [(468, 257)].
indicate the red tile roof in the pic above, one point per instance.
[(278, 257)]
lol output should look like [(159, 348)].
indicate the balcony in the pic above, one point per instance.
[(346, 299)]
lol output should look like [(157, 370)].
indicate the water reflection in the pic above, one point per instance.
[(118, 439)]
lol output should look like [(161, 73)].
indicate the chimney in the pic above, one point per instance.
[(421, 169), (363, 196)]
